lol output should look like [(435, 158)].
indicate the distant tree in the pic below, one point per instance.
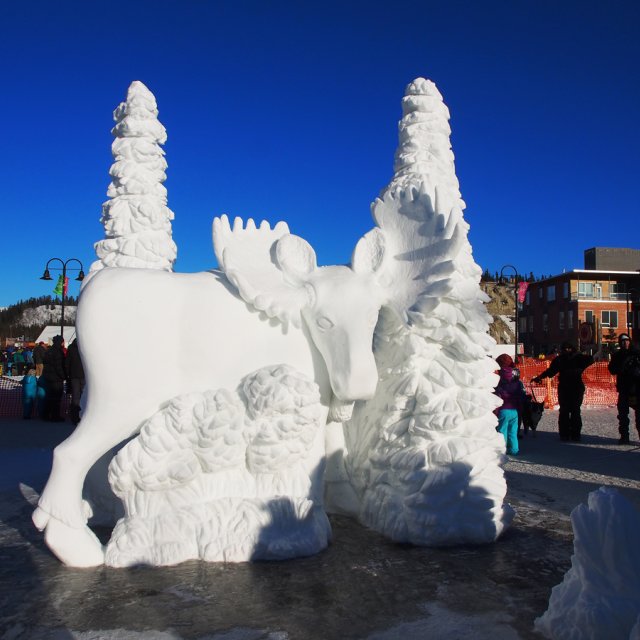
[(136, 219), (486, 276)]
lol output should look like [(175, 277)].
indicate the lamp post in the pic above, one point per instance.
[(515, 291), (630, 324), (47, 276)]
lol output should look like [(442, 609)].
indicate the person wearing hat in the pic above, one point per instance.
[(53, 377), (511, 392), (625, 365), (569, 366)]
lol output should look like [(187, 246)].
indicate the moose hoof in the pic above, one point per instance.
[(74, 547), (40, 518)]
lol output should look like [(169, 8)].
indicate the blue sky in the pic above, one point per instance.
[(288, 110)]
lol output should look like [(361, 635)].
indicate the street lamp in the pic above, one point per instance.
[(515, 291), (630, 324), (47, 276)]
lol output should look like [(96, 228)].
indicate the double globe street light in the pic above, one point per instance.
[(47, 276), (503, 280)]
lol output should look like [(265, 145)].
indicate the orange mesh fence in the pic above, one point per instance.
[(11, 398), (600, 385)]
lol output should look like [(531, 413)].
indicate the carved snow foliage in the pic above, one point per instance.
[(423, 454), (136, 219), (223, 475), (600, 594)]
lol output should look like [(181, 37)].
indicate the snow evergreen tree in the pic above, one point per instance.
[(136, 218), (423, 454)]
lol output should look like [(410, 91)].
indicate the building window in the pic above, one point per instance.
[(523, 325), (617, 290), (545, 322), (561, 321), (585, 290), (540, 292), (570, 319), (565, 289), (588, 316), (527, 297), (610, 319), (551, 293)]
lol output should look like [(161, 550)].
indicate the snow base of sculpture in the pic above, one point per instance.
[(600, 594), (224, 476)]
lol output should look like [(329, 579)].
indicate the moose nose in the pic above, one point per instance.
[(357, 386)]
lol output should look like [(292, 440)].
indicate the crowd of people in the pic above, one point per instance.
[(46, 371), (569, 366)]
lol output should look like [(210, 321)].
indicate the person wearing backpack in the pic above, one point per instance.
[(625, 365)]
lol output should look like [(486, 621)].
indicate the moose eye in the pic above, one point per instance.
[(324, 323)]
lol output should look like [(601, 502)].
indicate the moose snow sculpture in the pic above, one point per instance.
[(403, 330), (147, 336)]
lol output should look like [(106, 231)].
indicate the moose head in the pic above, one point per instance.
[(276, 273)]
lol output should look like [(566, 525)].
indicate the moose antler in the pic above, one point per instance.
[(247, 255)]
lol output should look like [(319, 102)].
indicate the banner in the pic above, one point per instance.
[(59, 288), (522, 291)]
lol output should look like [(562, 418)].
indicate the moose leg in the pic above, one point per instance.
[(61, 511)]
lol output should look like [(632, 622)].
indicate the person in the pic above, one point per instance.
[(18, 361), (54, 374), (39, 352), (29, 393), (510, 390), (569, 366), (75, 375), (28, 358), (624, 365)]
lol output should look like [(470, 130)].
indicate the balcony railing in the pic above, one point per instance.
[(598, 295)]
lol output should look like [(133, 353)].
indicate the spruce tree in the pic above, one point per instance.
[(136, 218)]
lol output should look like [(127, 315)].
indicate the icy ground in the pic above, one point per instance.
[(362, 587)]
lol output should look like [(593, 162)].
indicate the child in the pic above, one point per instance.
[(510, 390), (29, 392)]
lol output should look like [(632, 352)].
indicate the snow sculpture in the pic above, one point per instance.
[(423, 454), (600, 594), (136, 219), (223, 476), (422, 458), (197, 332)]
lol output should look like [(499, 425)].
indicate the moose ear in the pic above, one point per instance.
[(296, 258), (369, 252)]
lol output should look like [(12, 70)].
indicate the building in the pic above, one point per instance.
[(588, 307)]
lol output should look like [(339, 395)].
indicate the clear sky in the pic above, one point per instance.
[(288, 110)]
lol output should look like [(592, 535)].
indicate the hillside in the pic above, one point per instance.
[(502, 307), (27, 318)]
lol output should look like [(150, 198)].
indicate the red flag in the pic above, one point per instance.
[(522, 291), (66, 286)]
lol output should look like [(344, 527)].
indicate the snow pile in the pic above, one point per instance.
[(423, 454), (136, 219), (223, 476), (600, 594)]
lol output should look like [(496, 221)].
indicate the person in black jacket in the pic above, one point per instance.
[(624, 365), (569, 365), (53, 376), (75, 375)]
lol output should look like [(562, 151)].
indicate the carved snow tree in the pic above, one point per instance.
[(136, 219), (423, 454)]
